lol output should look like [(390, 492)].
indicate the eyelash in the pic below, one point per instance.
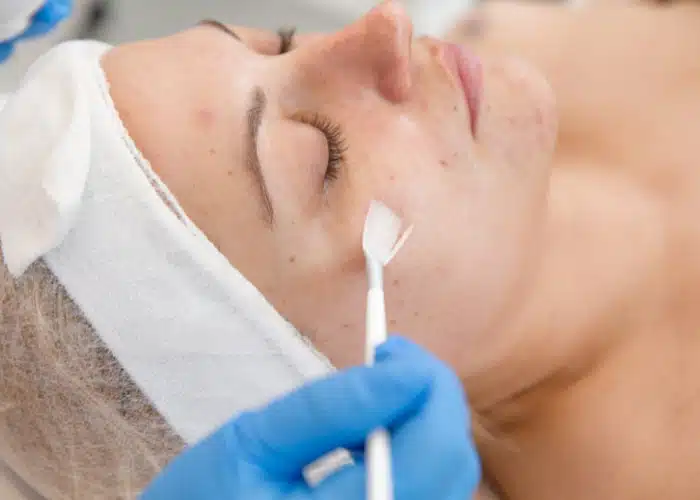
[(334, 134), (286, 39), (337, 145)]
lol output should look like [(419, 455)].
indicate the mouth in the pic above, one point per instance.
[(467, 71)]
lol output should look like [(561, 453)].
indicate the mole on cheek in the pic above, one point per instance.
[(444, 163), (292, 259)]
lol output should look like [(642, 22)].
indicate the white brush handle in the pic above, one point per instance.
[(380, 485), (376, 323)]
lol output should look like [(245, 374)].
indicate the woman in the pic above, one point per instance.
[(611, 320), (282, 142)]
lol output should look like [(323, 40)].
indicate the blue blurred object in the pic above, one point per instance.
[(261, 455), (43, 21), (6, 50)]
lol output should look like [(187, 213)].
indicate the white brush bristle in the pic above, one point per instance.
[(382, 236)]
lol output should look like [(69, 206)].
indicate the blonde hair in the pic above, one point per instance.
[(73, 424)]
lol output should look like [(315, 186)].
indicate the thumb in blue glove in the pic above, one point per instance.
[(262, 454)]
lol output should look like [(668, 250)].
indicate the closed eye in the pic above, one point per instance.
[(286, 39), (335, 138), (337, 146), (286, 35)]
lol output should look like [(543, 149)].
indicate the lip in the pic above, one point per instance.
[(467, 70)]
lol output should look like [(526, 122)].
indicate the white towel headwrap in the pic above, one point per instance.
[(201, 342)]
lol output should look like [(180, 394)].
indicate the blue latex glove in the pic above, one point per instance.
[(43, 21), (261, 455)]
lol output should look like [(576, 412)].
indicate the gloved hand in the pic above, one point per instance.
[(261, 454), (43, 21)]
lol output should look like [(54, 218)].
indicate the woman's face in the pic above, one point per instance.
[(277, 157)]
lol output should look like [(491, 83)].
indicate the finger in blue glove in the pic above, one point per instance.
[(262, 454), (432, 452), (437, 438), (335, 412)]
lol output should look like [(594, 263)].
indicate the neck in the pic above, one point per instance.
[(587, 277)]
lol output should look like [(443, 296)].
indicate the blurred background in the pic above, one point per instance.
[(116, 21)]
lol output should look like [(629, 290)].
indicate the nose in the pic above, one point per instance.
[(376, 50)]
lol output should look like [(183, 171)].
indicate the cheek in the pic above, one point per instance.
[(462, 263), (329, 308), (518, 124), (456, 277)]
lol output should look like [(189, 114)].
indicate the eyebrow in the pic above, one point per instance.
[(221, 27), (254, 117)]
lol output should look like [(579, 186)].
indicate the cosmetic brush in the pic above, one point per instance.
[(381, 240)]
